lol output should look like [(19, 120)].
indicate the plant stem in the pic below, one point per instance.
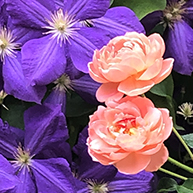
[(183, 143), (172, 174), (180, 165)]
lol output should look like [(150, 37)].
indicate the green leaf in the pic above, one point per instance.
[(188, 138), (186, 187), (111, 2), (14, 116), (166, 185), (76, 106), (141, 7), (164, 88)]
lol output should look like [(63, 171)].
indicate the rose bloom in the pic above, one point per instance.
[(129, 64), (129, 134)]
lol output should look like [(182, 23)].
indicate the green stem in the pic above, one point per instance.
[(183, 143), (172, 174), (177, 163)]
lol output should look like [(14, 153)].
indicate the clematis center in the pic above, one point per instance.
[(63, 83), (61, 26), (96, 187), (7, 45), (173, 12), (22, 158)]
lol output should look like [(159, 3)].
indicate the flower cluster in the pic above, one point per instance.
[(87, 95), (45, 47), (129, 132)]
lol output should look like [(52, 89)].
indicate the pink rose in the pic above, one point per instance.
[(129, 134), (131, 64)]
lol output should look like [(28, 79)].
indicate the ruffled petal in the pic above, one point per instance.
[(108, 91), (133, 87), (43, 60), (158, 159), (133, 163)]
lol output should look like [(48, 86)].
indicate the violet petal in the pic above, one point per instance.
[(7, 178), (26, 182), (53, 175), (118, 21), (44, 124), (57, 96), (179, 41), (88, 9), (43, 60), (28, 13), (10, 138), (15, 82), (81, 51), (151, 20), (86, 87), (138, 183)]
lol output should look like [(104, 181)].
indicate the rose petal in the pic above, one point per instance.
[(133, 163)]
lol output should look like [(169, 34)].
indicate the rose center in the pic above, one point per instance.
[(125, 126)]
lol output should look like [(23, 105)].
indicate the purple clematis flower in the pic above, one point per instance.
[(94, 177), (67, 33), (12, 74), (177, 20), (31, 155)]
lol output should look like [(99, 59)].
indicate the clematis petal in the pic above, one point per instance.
[(133, 163), (28, 13), (57, 96), (151, 20), (137, 183), (43, 60), (26, 182), (179, 47), (15, 82), (9, 139), (89, 9), (116, 22), (158, 159), (8, 180), (81, 51), (53, 175), (44, 124), (23, 34), (86, 87)]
